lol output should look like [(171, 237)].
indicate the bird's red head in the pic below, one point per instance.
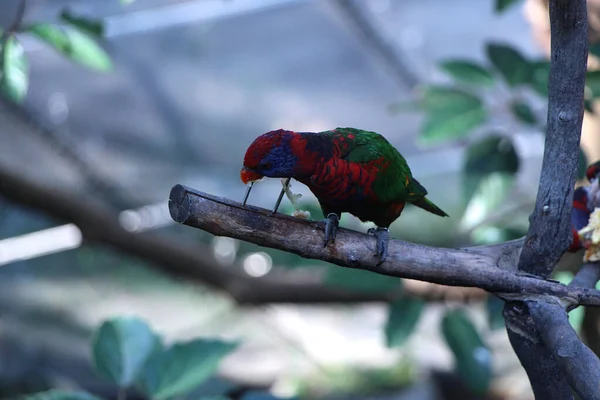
[(593, 171), (272, 154)]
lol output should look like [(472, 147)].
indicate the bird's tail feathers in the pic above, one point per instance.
[(429, 206)]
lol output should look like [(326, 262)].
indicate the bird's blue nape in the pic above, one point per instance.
[(281, 162)]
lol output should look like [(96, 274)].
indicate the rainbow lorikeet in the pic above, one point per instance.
[(584, 203), (348, 170)]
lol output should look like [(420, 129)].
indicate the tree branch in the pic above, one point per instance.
[(13, 27), (192, 261), (17, 20), (549, 232), (540, 330), (34, 122), (548, 381), (587, 276), (579, 363), (476, 266)]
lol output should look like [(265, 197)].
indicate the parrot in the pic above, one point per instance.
[(348, 170), (585, 199)]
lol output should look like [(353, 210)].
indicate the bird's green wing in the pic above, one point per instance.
[(395, 181)]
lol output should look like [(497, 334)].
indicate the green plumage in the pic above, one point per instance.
[(391, 183)]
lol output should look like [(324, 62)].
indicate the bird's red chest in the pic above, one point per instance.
[(340, 180)]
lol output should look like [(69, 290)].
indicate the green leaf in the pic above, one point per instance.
[(73, 44), (89, 26), (451, 113), (213, 387), (60, 395), (595, 49), (467, 72), (540, 72), (472, 357), (494, 307), (493, 153), (503, 5), (444, 98), (592, 82), (511, 64), (14, 70), (360, 280), (490, 194), (403, 316), (121, 347), (582, 165), (453, 124), (523, 112), (589, 106), (183, 367)]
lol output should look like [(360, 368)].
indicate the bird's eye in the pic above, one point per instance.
[(265, 165)]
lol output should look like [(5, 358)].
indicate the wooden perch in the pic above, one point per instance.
[(188, 260), (486, 267)]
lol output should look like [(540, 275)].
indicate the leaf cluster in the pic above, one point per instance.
[(75, 37), (127, 353)]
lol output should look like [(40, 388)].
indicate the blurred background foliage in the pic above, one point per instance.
[(112, 102)]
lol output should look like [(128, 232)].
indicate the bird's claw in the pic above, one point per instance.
[(383, 237), (331, 226)]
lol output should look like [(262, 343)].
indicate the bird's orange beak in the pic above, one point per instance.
[(248, 175)]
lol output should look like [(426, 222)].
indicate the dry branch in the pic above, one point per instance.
[(549, 232), (587, 276), (538, 361), (540, 330), (580, 365), (193, 261), (474, 267), (187, 260)]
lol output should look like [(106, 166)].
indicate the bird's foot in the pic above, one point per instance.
[(331, 226), (383, 237)]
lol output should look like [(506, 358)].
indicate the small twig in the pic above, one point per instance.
[(18, 17), (587, 276), (13, 27), (16, 22)]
